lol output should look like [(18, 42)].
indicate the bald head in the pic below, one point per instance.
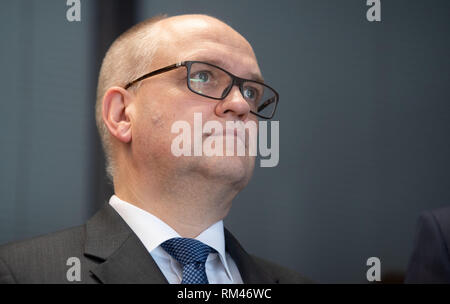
[(158, 42), (180, 32)]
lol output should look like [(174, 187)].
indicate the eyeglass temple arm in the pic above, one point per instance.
[(160, 71)]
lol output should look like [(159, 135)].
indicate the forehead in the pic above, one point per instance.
[(205, 39)]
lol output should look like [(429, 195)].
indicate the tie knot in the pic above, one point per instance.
[(187, 251)]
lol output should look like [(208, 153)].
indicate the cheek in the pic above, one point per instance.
[(157, 120), (149, 127), (154, 118)]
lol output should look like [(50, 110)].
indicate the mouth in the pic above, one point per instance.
[(229, 132)]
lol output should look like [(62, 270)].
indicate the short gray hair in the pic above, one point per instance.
[(127, 58)]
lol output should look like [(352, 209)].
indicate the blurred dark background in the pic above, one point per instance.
[(364, 122)]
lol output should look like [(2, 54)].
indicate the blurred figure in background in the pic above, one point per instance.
[(430, 260)]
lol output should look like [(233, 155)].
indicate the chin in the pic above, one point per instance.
[(236, 170)]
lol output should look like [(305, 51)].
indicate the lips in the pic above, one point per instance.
[(229, 132)]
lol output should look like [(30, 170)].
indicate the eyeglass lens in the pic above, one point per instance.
[(210, 81)]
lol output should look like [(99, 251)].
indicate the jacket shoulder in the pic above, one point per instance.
[(429, 261), (40, 257), (442, 217), (62, 239), (281, 275)]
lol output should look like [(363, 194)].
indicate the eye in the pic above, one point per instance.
[(250, 93), (201, 76)]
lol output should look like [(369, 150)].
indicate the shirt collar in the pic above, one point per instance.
[(152, 231)]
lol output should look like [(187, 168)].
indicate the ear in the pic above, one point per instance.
[(115, 114)]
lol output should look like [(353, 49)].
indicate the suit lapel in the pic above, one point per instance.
[(251, 272), (126, 260)]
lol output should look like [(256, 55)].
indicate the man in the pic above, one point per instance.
[(164, 223), (430, 260)]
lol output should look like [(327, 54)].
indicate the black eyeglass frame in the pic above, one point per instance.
[(235, 81)]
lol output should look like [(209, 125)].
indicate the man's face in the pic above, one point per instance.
[(164, 99)]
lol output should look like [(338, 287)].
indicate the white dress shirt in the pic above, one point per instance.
[(152, 231)]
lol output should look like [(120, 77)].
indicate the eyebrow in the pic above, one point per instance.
[(220, 63)]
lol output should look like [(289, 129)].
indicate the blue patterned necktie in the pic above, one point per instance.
[(192, 255)]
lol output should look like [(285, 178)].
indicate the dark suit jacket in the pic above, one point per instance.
[(110, 252), (430, 260)]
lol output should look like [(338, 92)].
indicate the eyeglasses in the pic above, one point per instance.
[(213, 82)]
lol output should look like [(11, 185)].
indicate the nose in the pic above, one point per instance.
[(233, 105)]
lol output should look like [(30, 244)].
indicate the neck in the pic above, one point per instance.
[(187, 204)]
